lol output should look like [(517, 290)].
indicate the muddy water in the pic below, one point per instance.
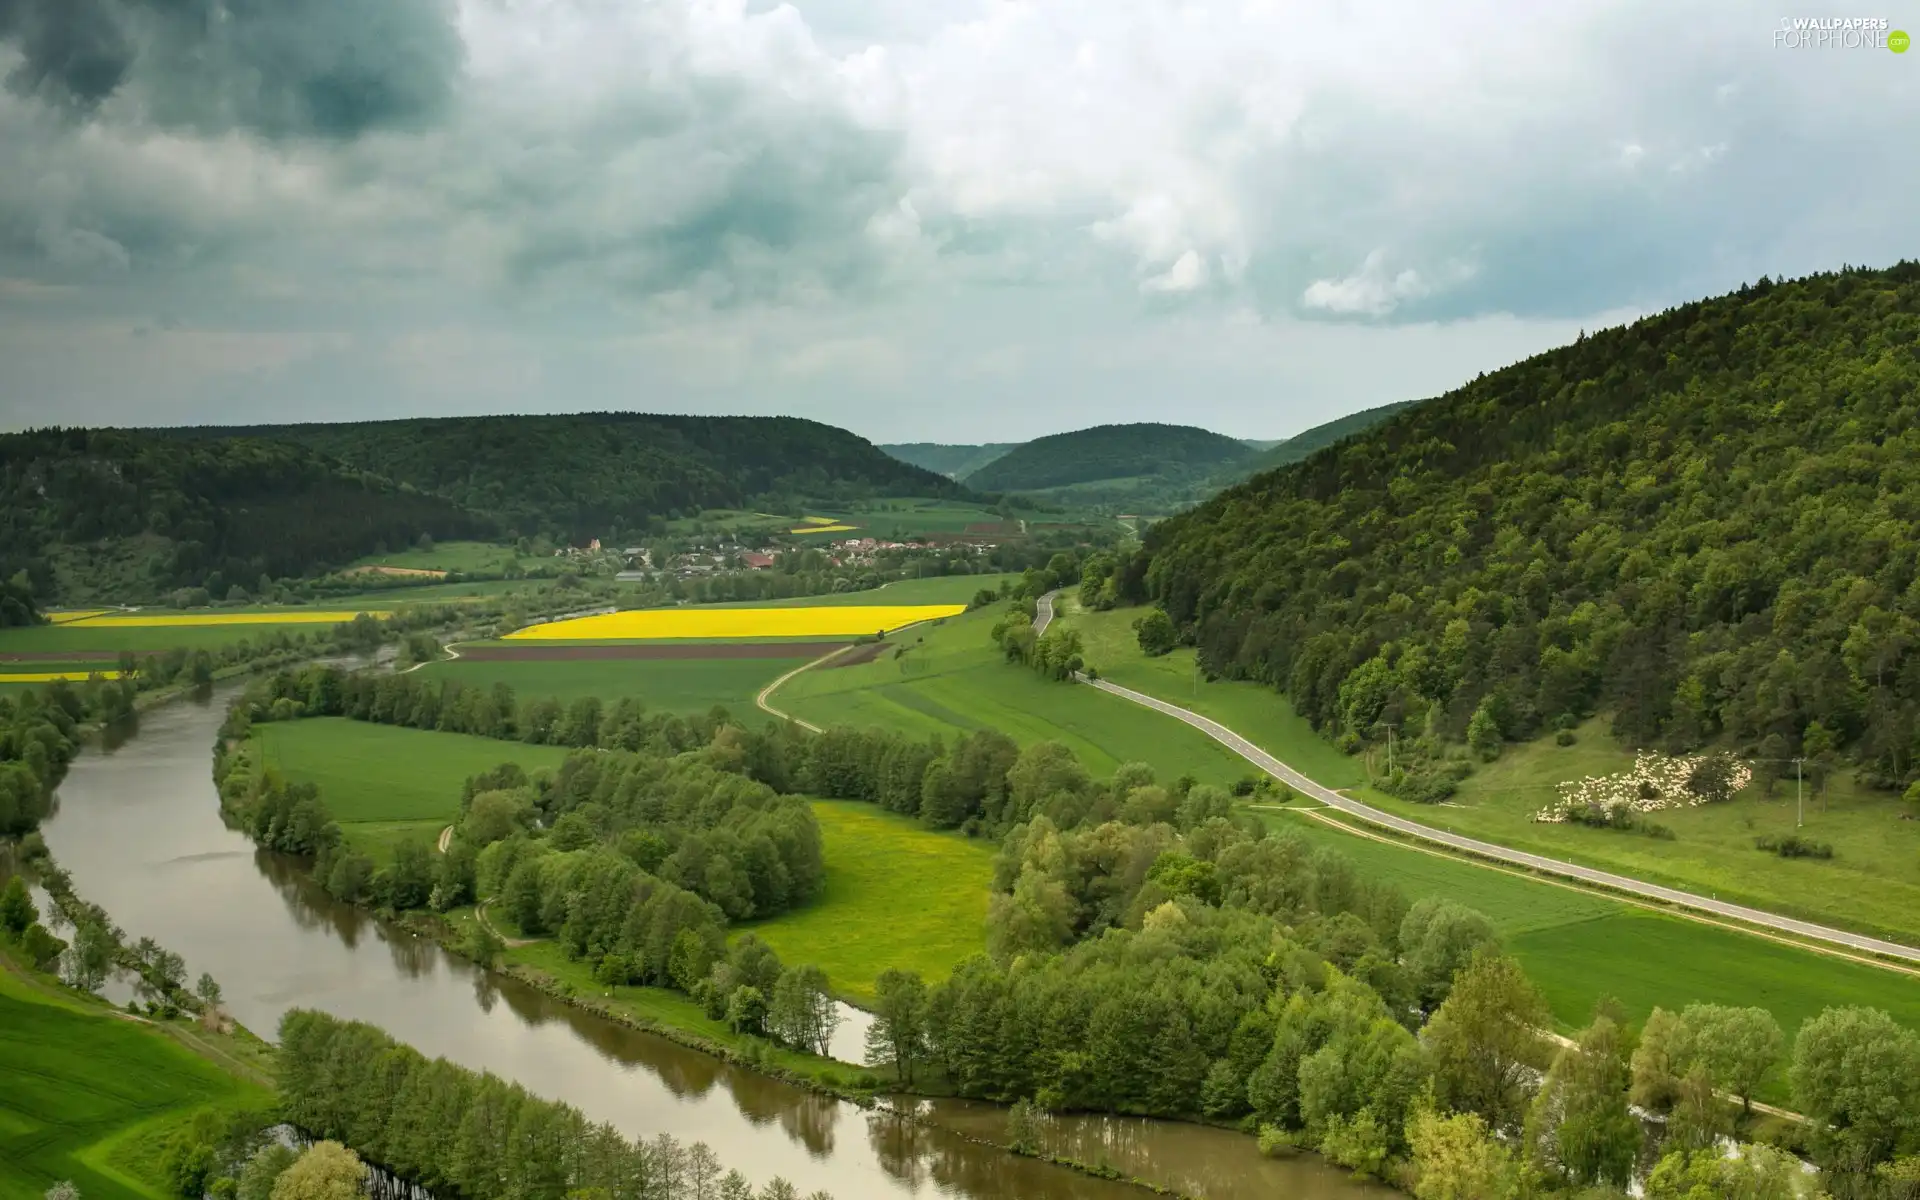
[(138, 827)]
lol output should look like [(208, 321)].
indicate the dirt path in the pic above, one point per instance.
[(762, 701), (480, 915), (446, 836)]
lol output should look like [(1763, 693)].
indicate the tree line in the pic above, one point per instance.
[(464, 1133), (39, 735), (1699, 523)]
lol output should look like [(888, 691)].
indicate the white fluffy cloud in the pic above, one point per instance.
[(837, 207)]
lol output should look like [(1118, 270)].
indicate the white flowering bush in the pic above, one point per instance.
[(1657, 781)]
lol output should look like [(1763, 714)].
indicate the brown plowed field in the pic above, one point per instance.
[(576, 652), (864, 654)]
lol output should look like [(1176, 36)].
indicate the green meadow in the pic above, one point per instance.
[(453, 556), (897, 895), (952, 678), (677, 685), (385, 784), (1872, 883), (1579, 946), (938, 589), (89, 1096)]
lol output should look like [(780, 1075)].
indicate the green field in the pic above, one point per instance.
[(941, 589), (84, 1095), (1871, 884), (55, 640), (686, 686), (379, 775), (896, 895), (898, 518), (1579, 946), (954, 679)]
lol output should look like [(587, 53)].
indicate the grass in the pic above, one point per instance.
[(384, 774), (940, 589), (1579, 946), (897, 895), (55, 640), (685, 686), (91, 1097), (953, 679), (1871, 884)]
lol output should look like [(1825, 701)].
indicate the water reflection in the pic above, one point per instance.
[(139, 829)]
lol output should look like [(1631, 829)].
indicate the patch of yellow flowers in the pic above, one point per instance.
[(851, 620)]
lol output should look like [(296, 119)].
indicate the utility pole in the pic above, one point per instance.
[(1799, 804)]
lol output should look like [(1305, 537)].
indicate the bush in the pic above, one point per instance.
[(1564, 738), (1794, 846)]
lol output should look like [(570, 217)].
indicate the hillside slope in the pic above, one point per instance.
[(609, 475), (117, 514), (1300, 445), (955, 462), (1108, 452), (1701, 524)]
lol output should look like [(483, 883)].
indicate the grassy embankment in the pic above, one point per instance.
[(953, 678), (1871, 884), (91, 1095), (454, 556), (1578, 945)]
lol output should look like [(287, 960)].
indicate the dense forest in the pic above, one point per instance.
[(90, 510), (955, 462), (609, 475), (1108, 452), (1700, 524)]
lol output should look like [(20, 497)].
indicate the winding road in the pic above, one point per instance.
[(1551, 866)]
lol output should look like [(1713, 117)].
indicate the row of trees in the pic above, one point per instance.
[(460, 1133), (39, 735), (1675, 522)]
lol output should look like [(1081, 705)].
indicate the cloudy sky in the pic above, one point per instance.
[(956, 220)]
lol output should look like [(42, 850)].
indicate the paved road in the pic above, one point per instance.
[(1043, 611), (1281, 771)]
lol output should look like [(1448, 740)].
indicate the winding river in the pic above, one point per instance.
[(138, 826)]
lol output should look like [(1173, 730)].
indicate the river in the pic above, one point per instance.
[(137, 825)]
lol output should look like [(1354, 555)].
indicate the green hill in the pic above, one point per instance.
[(955, 462), (1300, 445), (116, 514), (1108, 452), (611, 475), (1701, 525)]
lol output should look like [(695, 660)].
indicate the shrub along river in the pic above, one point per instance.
[(138, 826)]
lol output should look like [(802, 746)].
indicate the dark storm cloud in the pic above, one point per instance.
[(281, 68)]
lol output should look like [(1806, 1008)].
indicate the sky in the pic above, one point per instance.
[(922, 220)]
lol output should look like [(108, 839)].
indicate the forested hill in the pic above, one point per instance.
[(1703, 523), (126, 514), (1299, 446), (608, 475), (955, 462), (1108, 452)]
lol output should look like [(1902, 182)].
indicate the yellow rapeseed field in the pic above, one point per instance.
[(824, 529), (823, 621), (50, 676), (292, 616), (72, 615)]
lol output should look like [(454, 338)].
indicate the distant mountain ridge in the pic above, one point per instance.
[(1108, 452), (1300, 445), (585, 475), (953, 461)]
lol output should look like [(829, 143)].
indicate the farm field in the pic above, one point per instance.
[(952, 679), (897, 895), (679, 685), (155, 630), (1578, 946), (939, 589), (849, 620), (84, 1093), (1872, 883), (371, 773)]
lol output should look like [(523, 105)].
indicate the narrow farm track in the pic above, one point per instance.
[(761, 701), (1488, 850)]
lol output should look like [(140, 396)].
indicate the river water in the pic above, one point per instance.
[(138, 826)]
